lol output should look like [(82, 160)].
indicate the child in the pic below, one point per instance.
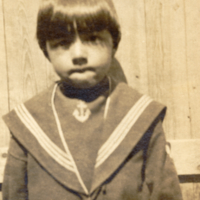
[(87, 136)]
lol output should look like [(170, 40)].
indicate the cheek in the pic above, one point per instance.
[(101, 56), (60, 61)]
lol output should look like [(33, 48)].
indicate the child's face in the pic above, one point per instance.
[(82, 60)]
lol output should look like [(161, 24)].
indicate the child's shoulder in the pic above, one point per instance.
[(124, 90), (125, 93), (126, 99), (38, 103), (43, 97)]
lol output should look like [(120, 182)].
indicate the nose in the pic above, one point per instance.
[(79, 61), (78, 52)]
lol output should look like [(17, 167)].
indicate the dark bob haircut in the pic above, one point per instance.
[(56, 19)]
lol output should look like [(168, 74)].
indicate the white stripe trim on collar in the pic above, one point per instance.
[(53, 150), (60, 131), (122, 129)]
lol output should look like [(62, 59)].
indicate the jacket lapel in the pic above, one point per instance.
[(127, 124), (40, 137)]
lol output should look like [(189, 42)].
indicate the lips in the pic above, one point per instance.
[(81, 70)]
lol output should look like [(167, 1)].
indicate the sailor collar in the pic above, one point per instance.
[(129, 116)]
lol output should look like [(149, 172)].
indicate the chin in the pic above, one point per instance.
[(83, 81), (82, 84)]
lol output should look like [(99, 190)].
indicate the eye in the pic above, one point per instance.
[(63, 43), (93, 38)]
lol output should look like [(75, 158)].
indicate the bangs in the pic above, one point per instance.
[(63, 18)]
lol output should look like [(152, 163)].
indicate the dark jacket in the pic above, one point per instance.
[(131, 164)]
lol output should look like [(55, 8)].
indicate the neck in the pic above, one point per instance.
[(87, 94)]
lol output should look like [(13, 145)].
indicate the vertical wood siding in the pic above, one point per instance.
[(4, 97), (159, 52)]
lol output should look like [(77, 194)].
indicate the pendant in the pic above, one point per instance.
[(82, 112)]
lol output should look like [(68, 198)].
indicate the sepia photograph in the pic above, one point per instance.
[(99, 100)]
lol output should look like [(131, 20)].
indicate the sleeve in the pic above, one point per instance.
[(15, 176), (161, 176)]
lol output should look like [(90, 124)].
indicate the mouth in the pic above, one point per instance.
[(82, 70)]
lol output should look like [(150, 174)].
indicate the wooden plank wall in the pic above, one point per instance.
[(159, 51), (3, 80)]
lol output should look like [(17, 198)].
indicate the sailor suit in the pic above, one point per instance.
[(117, 152)]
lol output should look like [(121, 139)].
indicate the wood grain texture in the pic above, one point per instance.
[(187, 191), (179, 75), (132, 49), (159, 58), (186, 156), (192, 18), (191, 191), (4, 107), (28, 70)]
